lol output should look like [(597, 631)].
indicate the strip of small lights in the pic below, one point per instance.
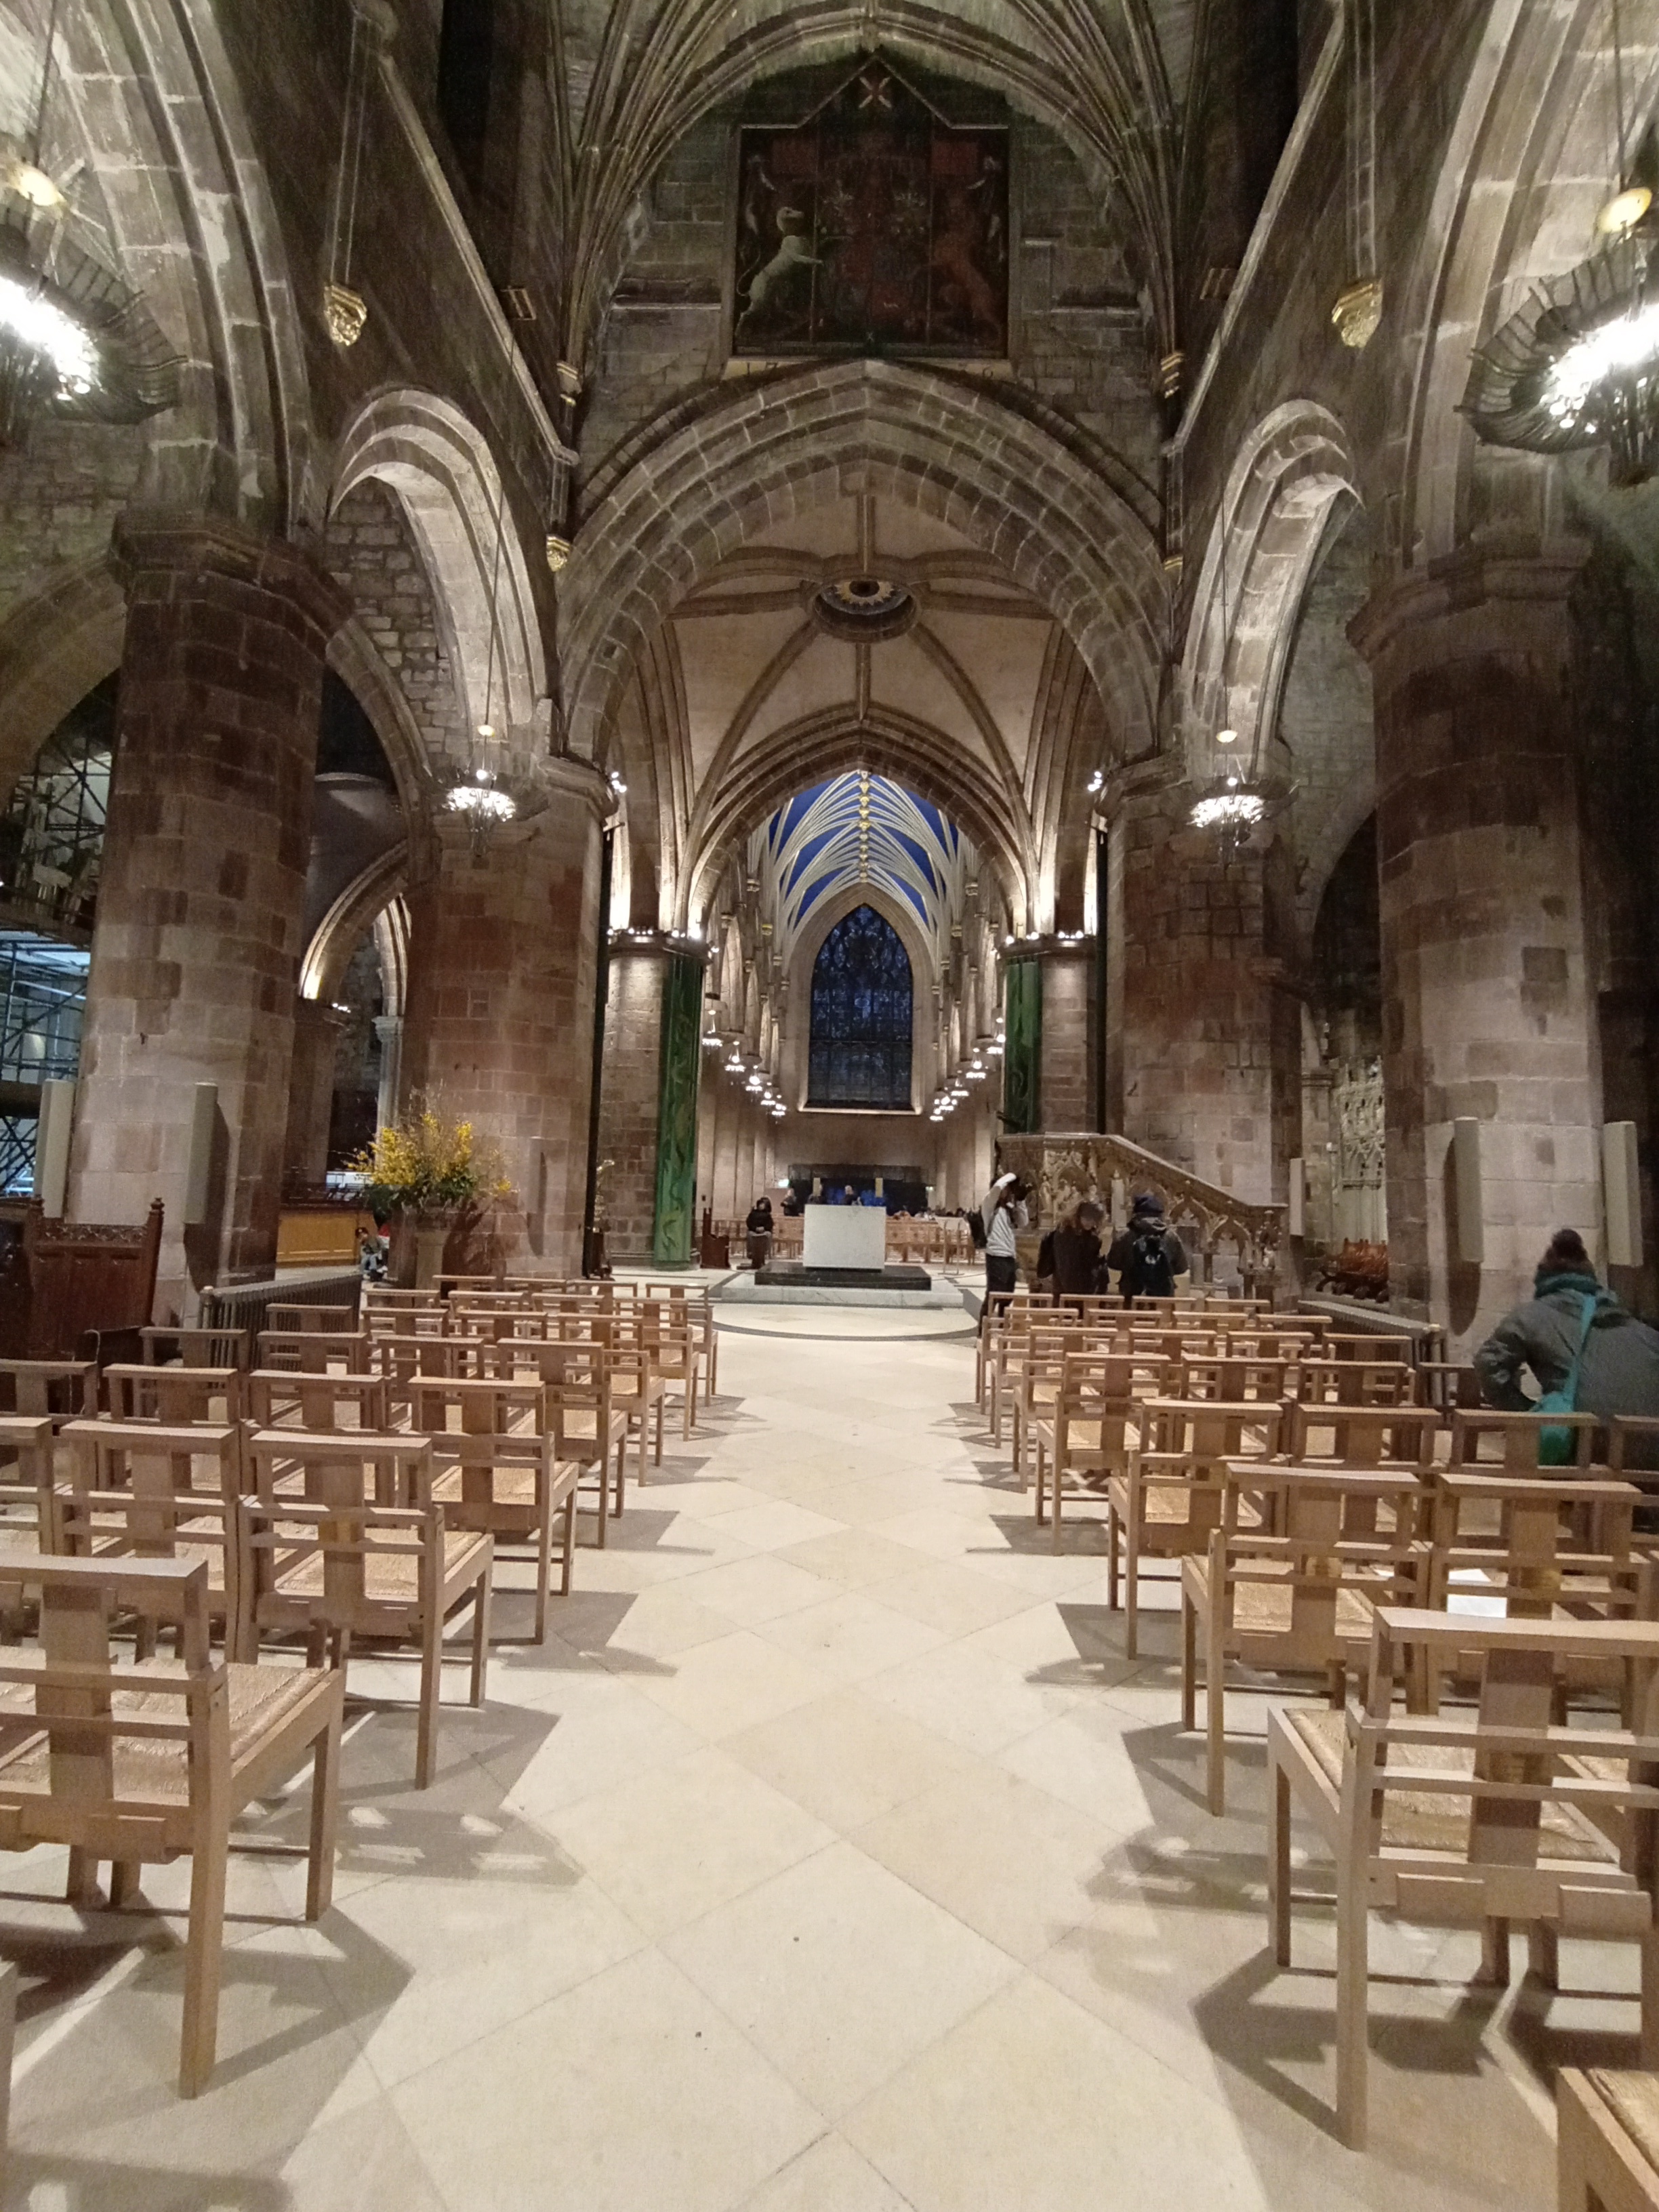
[(34, 319), (1618, 347)]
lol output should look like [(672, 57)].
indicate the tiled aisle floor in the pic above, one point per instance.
[(831, 1859)]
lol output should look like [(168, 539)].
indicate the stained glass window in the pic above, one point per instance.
[(862, 1002)]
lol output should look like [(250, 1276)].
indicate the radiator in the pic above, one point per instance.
[(244, 1305)]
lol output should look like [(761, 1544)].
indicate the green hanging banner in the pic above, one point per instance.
[(1021, 1050), (680, 1061)]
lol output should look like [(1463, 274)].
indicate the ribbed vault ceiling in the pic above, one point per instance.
[(861, 829)]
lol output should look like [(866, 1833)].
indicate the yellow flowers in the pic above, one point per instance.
[(424, 1160)]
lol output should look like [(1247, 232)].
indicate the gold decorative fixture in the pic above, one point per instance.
[(345, 311), (558, 552), (1169, 373), (1357, 312)]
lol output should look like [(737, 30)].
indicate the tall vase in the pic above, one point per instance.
[(431, 1235)]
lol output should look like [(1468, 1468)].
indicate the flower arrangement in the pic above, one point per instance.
[(425, 1163)]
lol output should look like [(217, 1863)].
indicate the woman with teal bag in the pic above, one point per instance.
[(1587, 1353)]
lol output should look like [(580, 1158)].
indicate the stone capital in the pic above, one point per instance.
[(1509, 583), (154, 548), (565, 779)]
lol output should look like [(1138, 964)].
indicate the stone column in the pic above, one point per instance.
[(196, 957), (1066, 1091), (316, 1031), (389, 1029), (498, 1028), (1487, 1010), (649, 1096), (1204, 1066)]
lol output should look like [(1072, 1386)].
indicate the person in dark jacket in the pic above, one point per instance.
[(1620, 1371), (1148, 1259), (1069, 1258), (758, 1228)]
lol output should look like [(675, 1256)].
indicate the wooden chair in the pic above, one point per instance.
[(59, 1389), (139, 1763), (1509, 1441), (1513, 1546), (315, 1350), (330, 1321), (330, 1564), (31, 1522), (1291, 1592), (177, 1397), (637, 1389), (1481, 1819), (145, 1490), (1083, 1438), (277, 1399), (193, 1348), (1361, 1435), (1168, 1502), (586, 1428), (1606, 2141), (493, 1443), (1327, 1381)]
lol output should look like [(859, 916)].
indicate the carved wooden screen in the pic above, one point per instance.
[(862, 1006)]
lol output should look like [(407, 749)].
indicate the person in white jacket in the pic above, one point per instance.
[(1003, 1210)]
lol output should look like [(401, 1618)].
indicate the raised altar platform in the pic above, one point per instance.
[(792, 1283)]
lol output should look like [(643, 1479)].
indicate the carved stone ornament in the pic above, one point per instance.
[(558, 552)]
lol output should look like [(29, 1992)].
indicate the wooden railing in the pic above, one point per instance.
[(1063, 1168)]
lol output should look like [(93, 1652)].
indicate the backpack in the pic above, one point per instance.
[(976, 1229), (1149, 1274)]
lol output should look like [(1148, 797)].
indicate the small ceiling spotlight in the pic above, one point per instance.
[(1227, 736)]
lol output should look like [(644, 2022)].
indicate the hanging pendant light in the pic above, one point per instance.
[(73, 337), (479, 797), (1578, 365)]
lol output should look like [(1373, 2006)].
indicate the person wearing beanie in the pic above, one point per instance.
[(1618, 1369), (1148, 1259)]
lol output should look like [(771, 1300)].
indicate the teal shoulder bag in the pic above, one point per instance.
[(1556, 1446)]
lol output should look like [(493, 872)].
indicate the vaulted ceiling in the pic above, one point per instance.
[(864, 829), (869, 636), (631, 77)]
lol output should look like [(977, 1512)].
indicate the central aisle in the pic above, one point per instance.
[(828, 1859)]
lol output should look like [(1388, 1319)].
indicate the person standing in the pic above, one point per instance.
[(1069, 1258), (758, 1229), (1003, 1211), (1148, 1259)]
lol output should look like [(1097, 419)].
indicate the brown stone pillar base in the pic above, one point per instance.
[(1486, 1009), (197, 953), (498, 1027)]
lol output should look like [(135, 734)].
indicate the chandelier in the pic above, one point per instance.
[(73, 337), (1578, 365), (479, 799)]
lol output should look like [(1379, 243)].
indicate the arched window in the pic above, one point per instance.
[(862, 1008)]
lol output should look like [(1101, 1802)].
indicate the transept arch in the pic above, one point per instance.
[(1293, 472), (786, 443), (442, 470)]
